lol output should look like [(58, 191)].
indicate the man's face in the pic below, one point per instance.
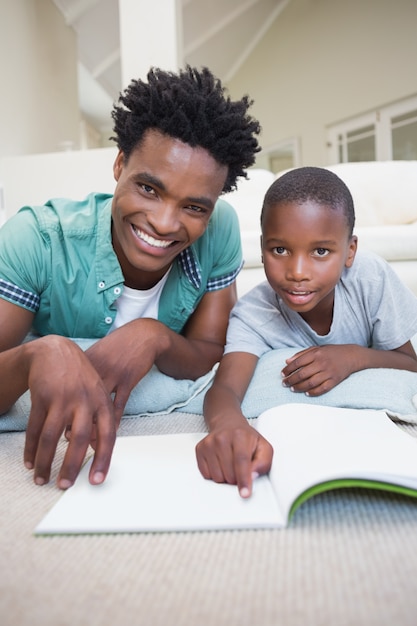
[(164, 197)]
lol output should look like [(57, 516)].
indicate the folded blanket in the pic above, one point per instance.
[(392, 390)]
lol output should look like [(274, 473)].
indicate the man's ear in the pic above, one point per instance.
[(118, 165), (353, 246)]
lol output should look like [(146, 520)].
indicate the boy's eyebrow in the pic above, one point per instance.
[(325, 241), (154, 181), (318, 242)]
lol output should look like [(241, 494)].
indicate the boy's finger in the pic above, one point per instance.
[(262, 459), (208, 466), (243, 468)]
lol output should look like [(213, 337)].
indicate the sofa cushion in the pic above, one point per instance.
[(397, 242), (247, 199), (384, 192)]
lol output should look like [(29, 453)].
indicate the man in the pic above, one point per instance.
[(150, 271)]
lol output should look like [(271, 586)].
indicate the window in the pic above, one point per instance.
[(283, 155), (387, 134), (404, 136)]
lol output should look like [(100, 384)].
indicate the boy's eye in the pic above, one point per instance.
[(280, 250), (321, 251)]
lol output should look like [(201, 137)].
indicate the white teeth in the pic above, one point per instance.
[(156, 243)]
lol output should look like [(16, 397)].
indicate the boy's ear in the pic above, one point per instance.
[(353, 246), (262, 256)]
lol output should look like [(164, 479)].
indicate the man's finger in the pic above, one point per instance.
[(81, 430), (106, 427), (46, 445)]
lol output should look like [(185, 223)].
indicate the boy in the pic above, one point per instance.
[(342, 316), (155, 264)]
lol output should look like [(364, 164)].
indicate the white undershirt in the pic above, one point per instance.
[(135, 303)]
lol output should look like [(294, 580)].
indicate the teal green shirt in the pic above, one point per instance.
[(58, 261)]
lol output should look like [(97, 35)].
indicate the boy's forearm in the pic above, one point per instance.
[(369, 358), (223, 401), (222, 408)]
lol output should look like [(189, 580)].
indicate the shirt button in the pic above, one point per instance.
[(117, 291), (108, 320), (101, 284)]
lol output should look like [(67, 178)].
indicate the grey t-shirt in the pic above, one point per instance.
[(372, 308)]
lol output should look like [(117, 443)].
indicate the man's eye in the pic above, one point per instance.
[(196, 209), (146, 188), (321, 251)]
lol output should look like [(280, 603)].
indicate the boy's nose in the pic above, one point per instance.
[(298, 268)]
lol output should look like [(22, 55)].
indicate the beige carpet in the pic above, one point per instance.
[(348, 558)]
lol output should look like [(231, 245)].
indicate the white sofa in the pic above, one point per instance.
[(385, 197)]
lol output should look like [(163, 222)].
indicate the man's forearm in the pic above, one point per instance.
[(187, 358), (14, 376)]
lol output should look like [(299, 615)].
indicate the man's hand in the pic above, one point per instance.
[(318, 369), (66, 391), (125, 356), (235, 455)]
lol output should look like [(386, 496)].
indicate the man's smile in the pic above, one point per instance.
[(156, 243)]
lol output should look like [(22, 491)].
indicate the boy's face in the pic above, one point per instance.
[(305, 248), (164, 197)]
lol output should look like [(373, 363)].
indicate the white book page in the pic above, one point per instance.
[(154, 484), (314, 444)]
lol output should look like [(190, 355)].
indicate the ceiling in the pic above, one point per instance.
[(217, 33)]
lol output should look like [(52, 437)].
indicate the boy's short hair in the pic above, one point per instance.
[(191, 106), (314, 184)]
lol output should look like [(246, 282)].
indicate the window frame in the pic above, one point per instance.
[(381, 119)]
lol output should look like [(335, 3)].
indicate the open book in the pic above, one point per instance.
[(154, 483)]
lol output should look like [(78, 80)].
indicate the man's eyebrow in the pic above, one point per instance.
[(152, 180)]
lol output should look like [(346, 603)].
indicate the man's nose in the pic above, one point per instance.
[(164, 218)]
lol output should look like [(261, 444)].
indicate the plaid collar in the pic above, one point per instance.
[(190, 267)]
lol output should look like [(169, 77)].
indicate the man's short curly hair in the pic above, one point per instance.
[(315, 184), (191, 106)]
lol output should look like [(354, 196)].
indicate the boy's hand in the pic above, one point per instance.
[(66, 390), (235, 455), (318, 369)]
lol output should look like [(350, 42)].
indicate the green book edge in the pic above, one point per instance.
[(346, 483)]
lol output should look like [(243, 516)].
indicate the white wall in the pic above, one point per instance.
[(35, 178), (326, 60), (38, 69), (321, 62)]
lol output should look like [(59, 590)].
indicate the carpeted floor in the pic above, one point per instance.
[(349, 558)]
